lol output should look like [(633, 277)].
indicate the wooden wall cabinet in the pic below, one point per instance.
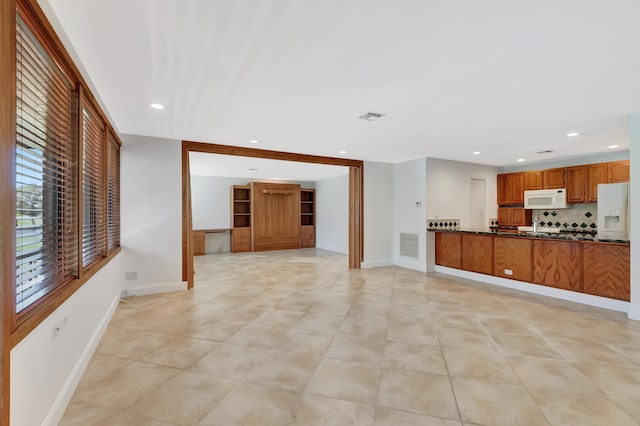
[(607, 271), (596, 174), (511, 188), (513, 254), (534, 180), (477, 253), (558, 264), (619, 171), (554, 178), (514, 216), (576, 184), (275, 221), (449, 249)]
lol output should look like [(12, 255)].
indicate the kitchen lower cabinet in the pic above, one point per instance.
[(449, 249), (477, 253), (558, 264), (512, 258), (597, 268), (606, 271)]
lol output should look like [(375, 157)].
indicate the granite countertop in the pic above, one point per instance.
[(568, 236)]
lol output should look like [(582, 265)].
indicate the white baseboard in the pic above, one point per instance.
[(143, 290), (333, 247), (634, 312), (572, 296), (376, 264), (416, 265), (60, 405)]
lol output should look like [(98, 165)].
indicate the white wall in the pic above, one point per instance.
[(151, 200), (332, 214), (409, 179), (449, 190), (210, 201), (45, 370), (634, 131), (378, 214)]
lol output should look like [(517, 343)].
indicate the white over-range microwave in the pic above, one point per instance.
[(546, 199)]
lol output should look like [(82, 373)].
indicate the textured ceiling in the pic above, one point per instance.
[(501, 77)]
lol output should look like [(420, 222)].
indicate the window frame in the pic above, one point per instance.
[(22, 323)]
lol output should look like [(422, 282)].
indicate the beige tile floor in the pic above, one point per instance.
[(295, 338)]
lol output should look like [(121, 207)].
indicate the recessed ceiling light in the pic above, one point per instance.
[(613, 146), (520, 160), (157, 106), (573, 134), (254, 141), (476, 153), (343, 152)]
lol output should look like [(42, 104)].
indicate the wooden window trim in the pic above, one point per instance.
[(19, 326), (356, 195)]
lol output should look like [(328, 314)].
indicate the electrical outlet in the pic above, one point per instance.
[(508, 272), (130, 276)]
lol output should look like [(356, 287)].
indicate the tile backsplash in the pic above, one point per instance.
[(579, 217), (444, 224)]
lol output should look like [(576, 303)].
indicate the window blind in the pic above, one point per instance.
[(93, 230), (113, 193), (46, 246)]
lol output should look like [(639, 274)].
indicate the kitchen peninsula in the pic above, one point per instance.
[(575, 262)]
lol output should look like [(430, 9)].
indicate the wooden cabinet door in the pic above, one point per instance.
[(512, 258), (275, 216), (240, 240), (449, 249), (504, 216), (554, 178), (504, 196), (619, 171), (520, 216), (558, 264), (517, 187), (307, 236), (198, 243), (606, 270), (576, 182), (477, 253), (533, 180), (596, 174)]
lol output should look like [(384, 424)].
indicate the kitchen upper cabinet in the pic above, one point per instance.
[(596, 174), (619, 171), (576, 184), (516, 181), (511, 188), (513, 216), (504, 197), (554, 178), (533, 180)]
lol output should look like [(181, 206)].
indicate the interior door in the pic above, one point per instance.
[(275, 216), (477, 204)]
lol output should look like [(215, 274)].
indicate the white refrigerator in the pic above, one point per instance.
[(613, 211)]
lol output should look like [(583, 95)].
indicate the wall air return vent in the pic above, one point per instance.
[(371, 116), (409, 245)]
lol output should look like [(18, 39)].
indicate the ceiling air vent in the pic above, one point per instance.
[(371, 116), (546, 151)]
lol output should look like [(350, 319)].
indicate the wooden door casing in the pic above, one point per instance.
[(275, 217)]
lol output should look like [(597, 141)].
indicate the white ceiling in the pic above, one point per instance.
[(504, 77), (202, 164)]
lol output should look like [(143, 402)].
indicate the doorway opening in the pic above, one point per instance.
[(477, 204), (355, 225)]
